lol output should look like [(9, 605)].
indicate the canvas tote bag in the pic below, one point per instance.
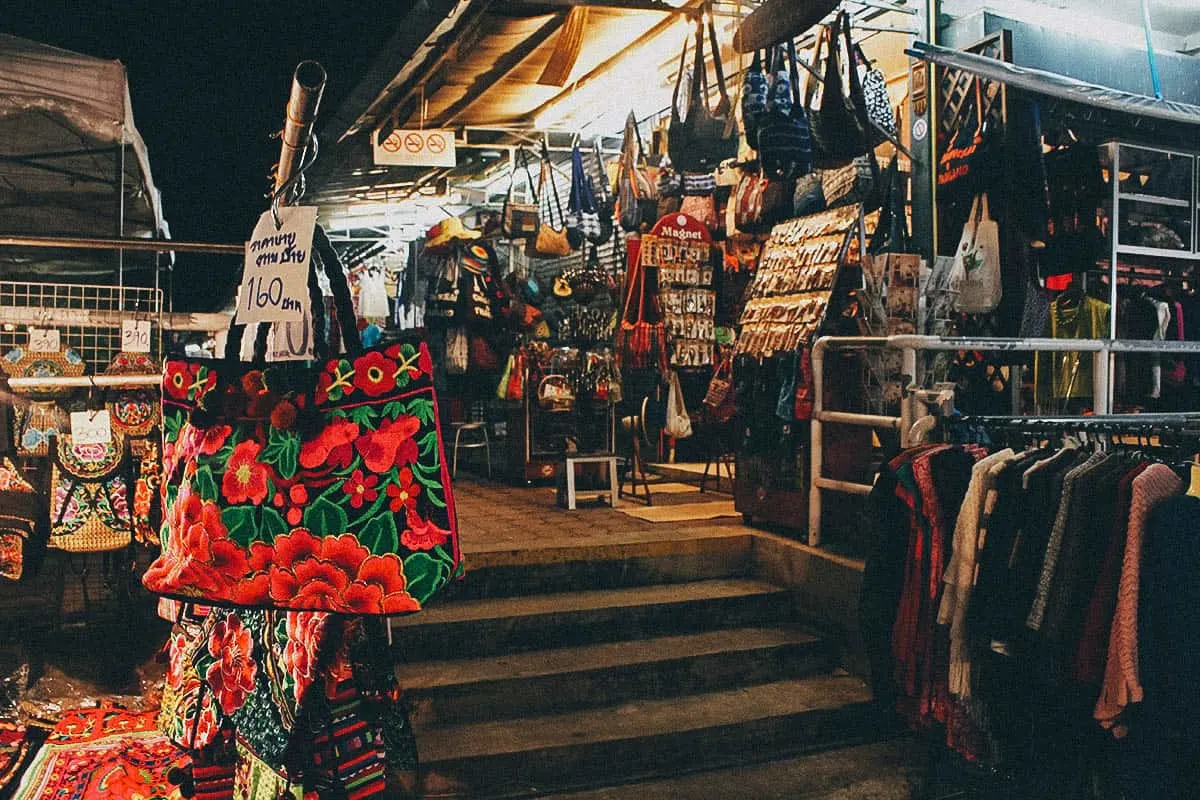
[(976, 270)]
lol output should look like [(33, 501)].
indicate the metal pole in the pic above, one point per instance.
[(308, 84), (816, 443), (908, 373), (1150, 52), (103, 243), (121, 213)]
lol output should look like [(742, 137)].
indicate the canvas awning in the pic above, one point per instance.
[(1059, 86), (72, 163)]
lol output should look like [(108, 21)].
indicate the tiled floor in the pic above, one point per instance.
[(497, 516)]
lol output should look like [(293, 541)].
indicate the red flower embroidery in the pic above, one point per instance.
[(380, 448), (375, 374), (361, 488), (404, 494), (245, 478), (422, 534), (199, 729), (214, 439), (304, 633), (231, 676), (252, 591), (177, 380), (331, 446), (424, 362), (324, 381), (336, 573)]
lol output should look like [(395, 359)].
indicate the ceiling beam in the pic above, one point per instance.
[(619, 5), (604, 67), (504, 66)]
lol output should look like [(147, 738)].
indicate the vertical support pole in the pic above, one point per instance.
[(922, 126), (1100, 383), (121, 219), (816, 444), (1154, 80), (908, 369)]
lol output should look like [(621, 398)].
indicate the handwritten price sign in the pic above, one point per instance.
[(135, 336), (44, 340), (274, 284), (90, 427)]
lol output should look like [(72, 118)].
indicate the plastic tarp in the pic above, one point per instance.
[(68, 146), (1061, 86)]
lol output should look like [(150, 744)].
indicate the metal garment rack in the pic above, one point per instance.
[(909, 345)]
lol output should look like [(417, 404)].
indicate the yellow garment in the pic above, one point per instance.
[(1068, 375)]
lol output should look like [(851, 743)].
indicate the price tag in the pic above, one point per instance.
[(90, 427), (44, 340), (135, 336), (274, 285)]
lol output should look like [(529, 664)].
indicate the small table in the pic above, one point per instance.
[(591, 458)]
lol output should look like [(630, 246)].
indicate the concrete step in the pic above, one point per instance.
[(886, 770), (645, 739), (505, 573), (486, 627), (607, 673)]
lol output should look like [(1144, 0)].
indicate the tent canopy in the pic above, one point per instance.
[(71, 160)]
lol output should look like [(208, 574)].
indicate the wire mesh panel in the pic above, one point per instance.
[(88, 317)]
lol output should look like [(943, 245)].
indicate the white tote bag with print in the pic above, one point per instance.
[(976, 271)]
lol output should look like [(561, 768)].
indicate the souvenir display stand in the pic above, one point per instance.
[(807, 267)]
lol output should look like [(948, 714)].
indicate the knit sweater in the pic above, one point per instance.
[(1121, 683)]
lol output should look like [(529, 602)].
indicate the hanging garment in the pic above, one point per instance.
[(372, 294), (1068, 375)]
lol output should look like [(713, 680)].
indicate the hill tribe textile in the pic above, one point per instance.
[(133, 411), (34, 425), (89, 510), (103, 754), (293, 490), (22, 528)]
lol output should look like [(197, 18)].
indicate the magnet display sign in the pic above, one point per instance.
[(683, 228), (429, 147)]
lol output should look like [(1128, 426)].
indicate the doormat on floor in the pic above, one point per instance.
[(655, 488), (682, 512)]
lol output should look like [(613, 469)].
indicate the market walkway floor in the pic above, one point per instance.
[(496, 517)]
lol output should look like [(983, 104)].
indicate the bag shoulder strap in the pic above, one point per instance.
[(678, 83), (794, 72), (717, 65), (810, 85)]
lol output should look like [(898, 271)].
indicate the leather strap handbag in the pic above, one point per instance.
[(551, 242), (637, 196), (838, 127), (520, 220), (704, 137)]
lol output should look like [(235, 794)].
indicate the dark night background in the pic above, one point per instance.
[(209, 82)]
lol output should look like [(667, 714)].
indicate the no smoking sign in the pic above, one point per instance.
[(415, 148)]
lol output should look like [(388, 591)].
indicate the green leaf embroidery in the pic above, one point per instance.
[(428, 443), (172, 422), (363, 415), (205, 484), (379, 535), (407, 350), (422, 409), (393, 409), (325, 518), (272, 525), (424, 575), (283, 451), (241, 523)]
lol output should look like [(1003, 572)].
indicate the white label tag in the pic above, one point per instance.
[(90, 427), (291, 341), (135, 336), (44, 340), (274, 285)]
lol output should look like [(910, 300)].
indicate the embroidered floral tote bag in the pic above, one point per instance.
[(306, 486), (89, 510)]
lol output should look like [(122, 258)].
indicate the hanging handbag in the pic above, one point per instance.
[(837, 126), (306, 486), (701, 208), (641, 336), (520, 220), (22, 524), (955, 163), (808, 196), (747, 200), (605, 208), (754, 97), (482, 356), (679, 424), (704, 137), (583, 219), (458, 351), (133, 412), (637, 198), (89, 510), (891, 231), (877, 104), (551, 242), (35, 424), (855, 182), (784, 139), (976, 270), (719, 385)]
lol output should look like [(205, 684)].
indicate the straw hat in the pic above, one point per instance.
[(447, 230)]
